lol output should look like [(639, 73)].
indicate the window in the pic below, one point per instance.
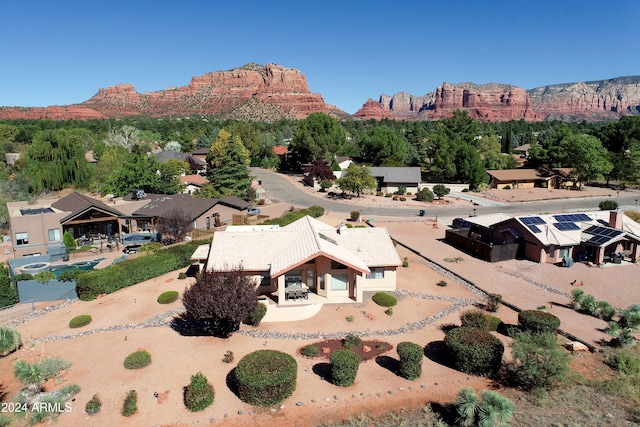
[(564, 252), (339, 282), (321, 281), (22, 238), (208, 223), (54, 235), (376, 273)]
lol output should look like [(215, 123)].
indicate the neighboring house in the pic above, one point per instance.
[(522, 151), (164, 156), (530, 178), (201, 154), (391, 178), (193, 183), (37, 227), (589, 236), (335, 264), (343, 162)]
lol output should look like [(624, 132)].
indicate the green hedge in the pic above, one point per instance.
[(137, 360), (384, 299), (474, 351), (266, 377), (344, 367), (538, 322), (411, 355), (288, 218), (474, 319), (199, 394), (10, 341), (131, 272), (168, 297), (72, 274), (80, 321), (256, 314)]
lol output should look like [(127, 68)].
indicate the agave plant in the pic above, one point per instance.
[(576, 298)]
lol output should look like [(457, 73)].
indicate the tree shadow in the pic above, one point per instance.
[(436, 351), (232, 382), (192, 270), (508, 329), (389, 363), (187, 326), (561, 304), (446, 411), (446, 327), (323, 370)]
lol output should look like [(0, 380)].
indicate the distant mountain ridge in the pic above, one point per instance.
[(271, 92)]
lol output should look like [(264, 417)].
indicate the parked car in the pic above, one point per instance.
[(253, 211), (460, 223)]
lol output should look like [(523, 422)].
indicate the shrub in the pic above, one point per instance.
[(389, 311), (228, 357), (310, 350), (45, 276), (182, 275), (68, 240), (425, 195), (351, 341), (537, 321), (403, 199), (411, 355), (349, 318), (257, 313), (442, 283), (474, 351), (538, 361), (603, 310), (266, 377), (168, 297), (127, 273), (199, 394), (93, 406), (71, 274), (355, 215), (474, 319), (383, 299), (395, 198), (405, 262), (608, 205), (80, 321), (130, 406), (22, 276), (344, 367), (492, 409), (137, 360), (493, 302), (440, 190), (10, 341), (402, 189), (493, 323), (624, 361), (388, 195), (381, 194)]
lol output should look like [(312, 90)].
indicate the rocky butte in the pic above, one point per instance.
[(250, 92)]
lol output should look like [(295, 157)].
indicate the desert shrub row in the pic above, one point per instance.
[(131, 272), (288, 218), (266, 377), (586, 303)]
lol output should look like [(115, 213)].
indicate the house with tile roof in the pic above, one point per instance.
[(335, 264), (530, 178), (597, 237)]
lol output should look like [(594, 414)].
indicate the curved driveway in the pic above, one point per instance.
[(279, 187)]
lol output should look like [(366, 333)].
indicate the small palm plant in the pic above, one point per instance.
[(491, 410)]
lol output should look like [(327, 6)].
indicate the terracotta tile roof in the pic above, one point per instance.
[(280, 150), (196, 179)]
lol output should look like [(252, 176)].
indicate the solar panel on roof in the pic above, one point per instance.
[(572, 218), (534, 228), (532, 220), (592, 229), (603, 222), (566, 226)]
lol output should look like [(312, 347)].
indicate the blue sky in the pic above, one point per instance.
[(61, 52)]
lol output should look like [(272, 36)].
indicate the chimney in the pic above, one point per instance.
[(615, 219)]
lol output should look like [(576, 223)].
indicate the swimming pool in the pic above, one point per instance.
[(58, 269)]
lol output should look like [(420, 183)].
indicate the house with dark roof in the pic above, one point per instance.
[(530, 178), (390, 179), (308, 258), (164, 156), (37, 227), (597, 237)]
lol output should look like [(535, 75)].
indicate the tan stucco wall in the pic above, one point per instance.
[(37, 227)]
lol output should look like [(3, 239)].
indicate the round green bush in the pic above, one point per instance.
[(411, 355), (182, 275), (257, 313), (344, 367), (355, 215), (266, 377), (80, 321), (310, 350), (137, 360), (130, 406), (69, 275), (474, 351), (493, 323), (22, 276), (93, 406), (383, 299), (168, 297), (10, 341), (474, 319), (200, 394), (538, 321)]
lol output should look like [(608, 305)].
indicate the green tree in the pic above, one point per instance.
[(357, 179), (469, 166), (228, 171), (538, 361), (588, 157), (140, 172), (318, 136), (440, 190), (56, 159), (8, 293), (381, 145)]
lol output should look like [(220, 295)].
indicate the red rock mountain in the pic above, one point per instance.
[(251, 92)]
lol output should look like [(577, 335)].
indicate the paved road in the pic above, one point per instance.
[(279, 187)]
